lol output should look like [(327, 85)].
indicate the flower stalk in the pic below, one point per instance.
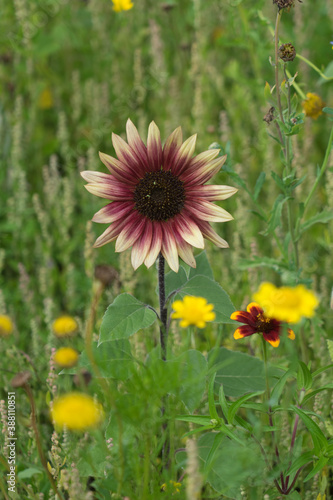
[(163, 309)]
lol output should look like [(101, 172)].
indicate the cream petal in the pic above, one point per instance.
[(136, 143), (110, 234), (126, 156), (205, 210), (113, 211), (156, 243), (169, 247), (96, 177), (202, 159), (211, 235), (210, 192), (142, 245), (185, 251), (115, 192), (154, 147), (171, 147), (184, 155), (189, 230), (120, 171), (203, 174), (131, 232)]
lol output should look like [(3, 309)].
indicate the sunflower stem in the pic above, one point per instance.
[(163, 309)]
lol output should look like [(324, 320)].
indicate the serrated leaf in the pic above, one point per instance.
[(201, 286), (124, 317)]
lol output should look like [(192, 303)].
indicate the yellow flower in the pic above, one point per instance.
[(6, 325), (66, 357), (45, 99), (286, 303), (76, 412), (313, 105), (193, 311), (65, 326), (119, 5), (174, 486)]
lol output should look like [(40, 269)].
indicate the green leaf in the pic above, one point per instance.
[(29, 472), (238, 373), (259, 185), (307, 397), (330, 348), (223, 402), (124, 317), (304, 377), (304, 459), (328, 110), (195, 419), (211, 399), (278, 181), (234, 407), (114, 359), (276, 214), (201, 286), (203, 267), (322, 217), (174, 281), (216, 444), (321, 370), (319, 440), (274, 264), (320, 464)]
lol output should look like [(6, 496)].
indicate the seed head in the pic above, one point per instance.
[(287, 52), (285, 4)]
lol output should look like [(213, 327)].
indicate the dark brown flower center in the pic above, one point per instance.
[(159, 195), (263, 324)]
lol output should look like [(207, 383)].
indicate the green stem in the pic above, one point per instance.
[(313, 66)]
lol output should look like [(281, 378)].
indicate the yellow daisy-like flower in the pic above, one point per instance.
[(313, 105), (76, 412), (66, 357), (193, 311), (65, 326), (6, 325), (119, 5), (286, 303)]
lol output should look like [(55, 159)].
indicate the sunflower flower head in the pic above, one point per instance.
[(313, 105), (76, 412), (159, 200), (66, 357), (65, 326), (286, 303), (256, 321), (6, 326), (193, 311), (120, 5)]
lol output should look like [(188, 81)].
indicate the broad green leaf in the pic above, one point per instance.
[(201, 286), (238, 373), (319, 440), (114, 359), (174, 281), (192, 370), (203, 267), (124, 317)]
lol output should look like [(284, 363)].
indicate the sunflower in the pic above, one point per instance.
[(159, 200)]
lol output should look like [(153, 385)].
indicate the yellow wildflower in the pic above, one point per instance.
[(313, 105), (286, 303), (174, 487), (76, 412), (119, 5), (45, 99), (66, 357), (193, 311), (6, 325), (65, 326)]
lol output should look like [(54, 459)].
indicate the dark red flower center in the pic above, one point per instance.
[(263, 324), (159, 195)]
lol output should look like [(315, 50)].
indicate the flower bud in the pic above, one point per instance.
[(287, 52)]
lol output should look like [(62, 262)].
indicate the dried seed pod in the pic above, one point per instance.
[(287, 52)]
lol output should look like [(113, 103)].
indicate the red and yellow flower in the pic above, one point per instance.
[(159, 202), (255, 321)]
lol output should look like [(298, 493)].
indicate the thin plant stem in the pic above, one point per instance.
[(270, 418), (163, 309), (43, 460), (277, 86)]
